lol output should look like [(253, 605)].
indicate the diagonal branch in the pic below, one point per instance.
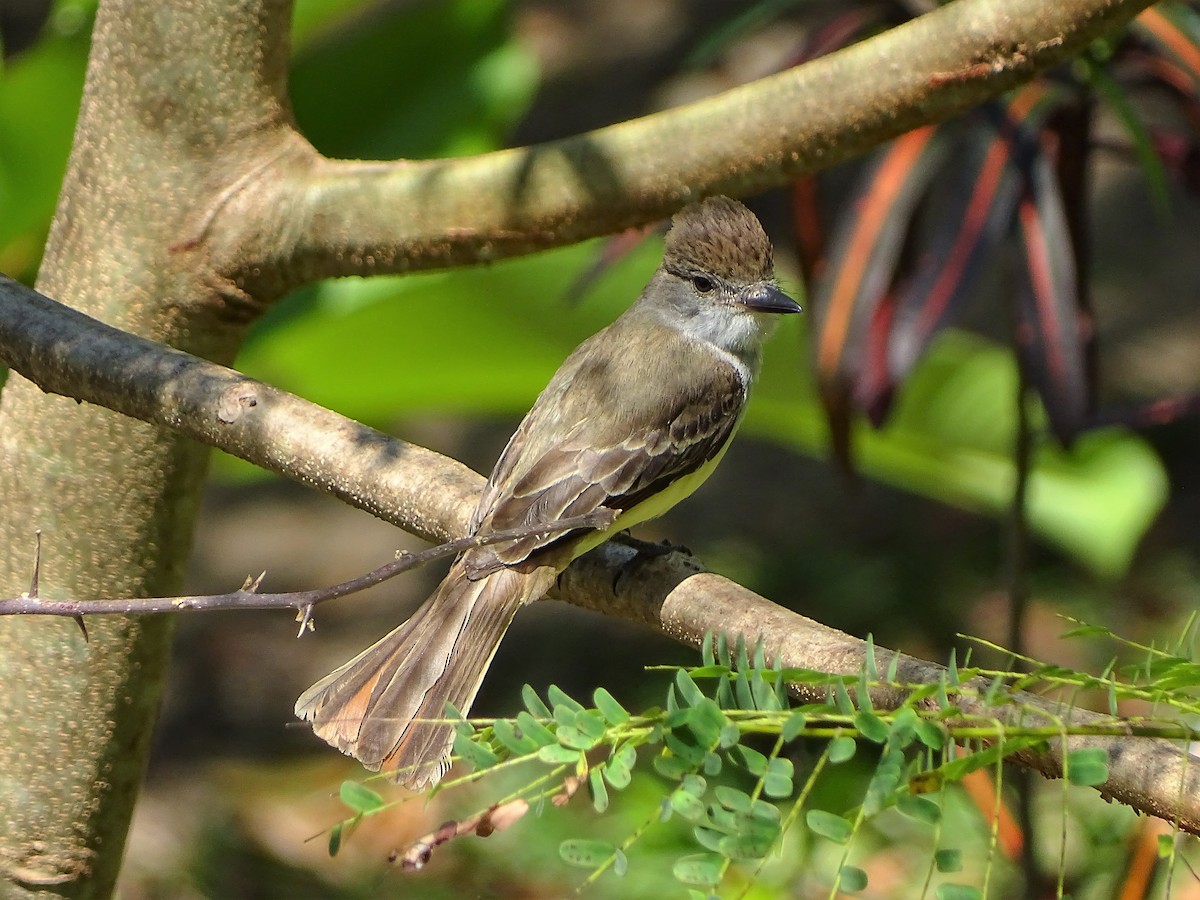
[(68, 353), (673, 594), (312, 217)]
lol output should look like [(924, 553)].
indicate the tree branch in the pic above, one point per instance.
[(250, 597), (318, 217), (673, 594), (66, 352)]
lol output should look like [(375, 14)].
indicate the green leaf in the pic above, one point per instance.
[(700, 868), (335, 839), (686, 751), (724, 693), (751, 845), (677, 716), (608, 706), (754, 762), (777, 786), (599, 791), (557, 754), (564, 706), (673, 708), (618, 775), (871, 726), (780, 685), (886, 781), (948, 861), (765, 697), (712, 765), (570, 736), (591, 724), (535, 730), (687, 805), (534, 704), (689, 691), (585, 854), (708, 838), (707, 722), (359, 797), (844, 704), (477, 755), (694, 785), (778, 765), (723, 655), (671, 767), (729, 736), (517, 743), (713, 671), (619, 769), (794, 726), (767, 812), (732, 799), (1086, 631), (1087, 766), (921, 809), (842, 749), (869, 673), (624, 754), (931, 734), (827, 825), (742, 692), (852, 879), (903, 729), (620, 863), (722, 819)]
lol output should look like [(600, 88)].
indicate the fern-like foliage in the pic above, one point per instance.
[(721, 755)]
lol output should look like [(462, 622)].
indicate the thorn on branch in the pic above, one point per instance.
[(37, 564), (252, 584), (304, 615), (249, 597)]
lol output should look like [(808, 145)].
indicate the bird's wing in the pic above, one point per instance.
[(614, 461)]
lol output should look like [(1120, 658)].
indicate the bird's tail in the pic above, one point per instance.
[(386, 707)]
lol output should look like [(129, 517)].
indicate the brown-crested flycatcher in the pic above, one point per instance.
[(634, 421)]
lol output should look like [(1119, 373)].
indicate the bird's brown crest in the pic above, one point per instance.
[(720, 236)]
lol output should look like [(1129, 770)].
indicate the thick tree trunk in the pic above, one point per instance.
[(115, 498)]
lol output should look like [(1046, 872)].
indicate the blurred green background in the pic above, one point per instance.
[(913, 552)]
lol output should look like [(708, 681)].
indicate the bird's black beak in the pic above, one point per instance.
[(768, 298)]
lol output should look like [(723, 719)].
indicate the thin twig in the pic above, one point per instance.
[(248, 597)]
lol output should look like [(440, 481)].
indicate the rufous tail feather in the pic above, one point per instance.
[(386, 707)]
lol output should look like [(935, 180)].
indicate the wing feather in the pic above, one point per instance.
[(614, 461)]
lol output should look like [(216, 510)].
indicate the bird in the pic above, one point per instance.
[(634, 420)]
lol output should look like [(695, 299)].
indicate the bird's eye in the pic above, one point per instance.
[(702, 284)]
